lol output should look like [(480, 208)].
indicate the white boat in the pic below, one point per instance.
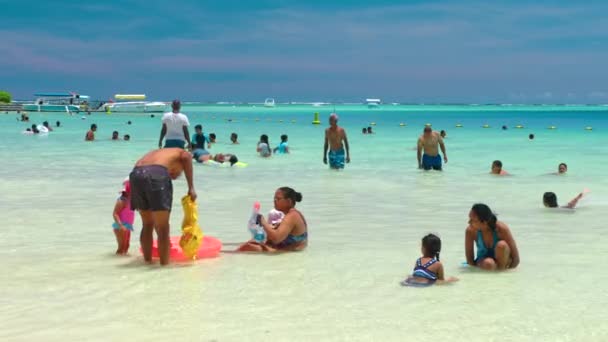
[(269, 103), (372, 103), (58, 102), (128, 103)]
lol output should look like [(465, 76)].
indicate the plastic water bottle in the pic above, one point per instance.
[(254, 226)]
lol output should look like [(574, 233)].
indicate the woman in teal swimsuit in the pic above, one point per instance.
[(496, 248), (291, 234)]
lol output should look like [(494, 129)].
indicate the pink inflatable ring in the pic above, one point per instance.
[(210, 248)]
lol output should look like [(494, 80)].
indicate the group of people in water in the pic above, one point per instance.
[(489, 243)]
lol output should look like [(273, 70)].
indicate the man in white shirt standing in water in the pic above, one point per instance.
[(175, 128)]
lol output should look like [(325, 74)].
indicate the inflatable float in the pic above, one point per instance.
[(224, 164), (210, 248)]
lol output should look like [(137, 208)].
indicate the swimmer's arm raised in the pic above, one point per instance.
[(186, 159), (163, 132), (574, 201), (468, 247)]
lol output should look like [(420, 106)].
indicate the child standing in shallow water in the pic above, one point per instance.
[(123, 219), (428, 270)]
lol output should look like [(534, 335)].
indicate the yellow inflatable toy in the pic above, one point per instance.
[(588, 128), (458, 125), (486, 126), (519, 126), (402, 124), (192, 236), (551, 127)]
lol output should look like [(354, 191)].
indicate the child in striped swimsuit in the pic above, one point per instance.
[(428, 269)]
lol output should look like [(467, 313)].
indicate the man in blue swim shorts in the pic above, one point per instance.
[(337, 143), (429, 142)]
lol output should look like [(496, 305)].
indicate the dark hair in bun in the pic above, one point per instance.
[(291, 194)]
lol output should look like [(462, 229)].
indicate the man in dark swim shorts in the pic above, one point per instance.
[(152, 195)]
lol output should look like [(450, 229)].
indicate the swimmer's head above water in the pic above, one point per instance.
[(562, 168), (431, 246), (550, 200), (333, 119), (496, 167)]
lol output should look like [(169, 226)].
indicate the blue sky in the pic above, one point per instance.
[(416, 51)]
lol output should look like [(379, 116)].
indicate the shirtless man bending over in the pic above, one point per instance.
[(152, 195), (431, 159), (336, 141)]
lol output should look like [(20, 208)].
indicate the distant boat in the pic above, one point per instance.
[(269, 102), (131, 105), (372, 103), (58, 102)]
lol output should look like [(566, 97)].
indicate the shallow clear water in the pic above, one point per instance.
[(62, 282)]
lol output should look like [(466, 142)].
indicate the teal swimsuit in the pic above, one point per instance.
[(482, 251), (294, 239)]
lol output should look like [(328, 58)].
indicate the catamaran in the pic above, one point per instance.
[(69, 102), (133, 103), (372, 103)]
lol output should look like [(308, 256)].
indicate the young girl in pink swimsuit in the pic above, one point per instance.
[(123, 219)]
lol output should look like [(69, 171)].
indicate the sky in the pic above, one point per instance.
[(228, 50)]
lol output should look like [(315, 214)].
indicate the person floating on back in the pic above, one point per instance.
[(90, 136), (428, 270), (429, 142), (336, 141), (175, 128), (497, 169), (550, 200), (123, 219), (283, 146)]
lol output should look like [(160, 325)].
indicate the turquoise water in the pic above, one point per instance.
[(62, 281)]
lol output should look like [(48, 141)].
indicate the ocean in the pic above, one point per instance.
[(62, 280)]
